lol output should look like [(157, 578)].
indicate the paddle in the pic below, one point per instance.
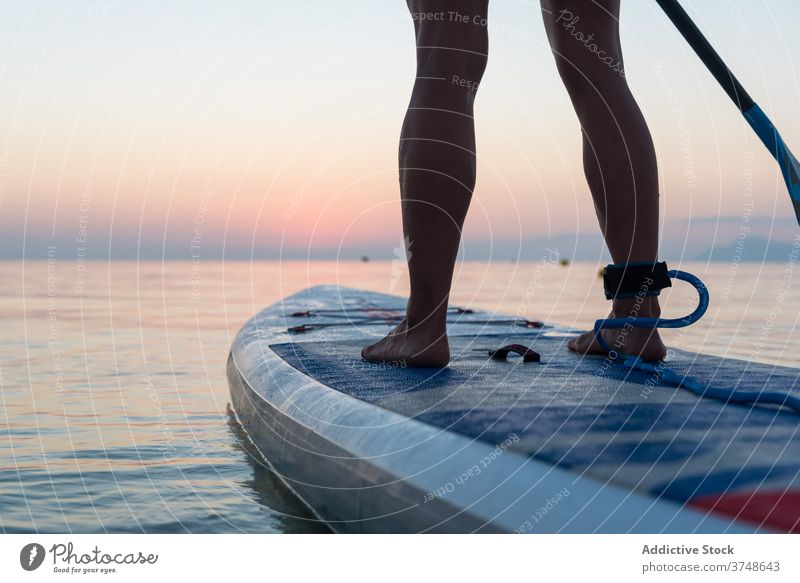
[(752, 112)]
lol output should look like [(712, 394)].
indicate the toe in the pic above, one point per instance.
[(366, 352), (585, 344)]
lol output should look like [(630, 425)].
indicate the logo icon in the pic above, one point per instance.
[(31, 556)]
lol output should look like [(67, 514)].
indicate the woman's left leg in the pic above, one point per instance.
[(618, 154)]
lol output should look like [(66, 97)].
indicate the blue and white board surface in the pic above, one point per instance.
[(569, 444)]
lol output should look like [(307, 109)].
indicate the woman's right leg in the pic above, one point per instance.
[(437, 171)]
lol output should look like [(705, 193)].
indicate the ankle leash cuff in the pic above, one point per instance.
[(629, 280)]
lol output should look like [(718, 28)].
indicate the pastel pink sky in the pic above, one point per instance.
[(266, 124)]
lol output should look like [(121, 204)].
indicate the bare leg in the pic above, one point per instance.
[(618, 154), (437, 171)]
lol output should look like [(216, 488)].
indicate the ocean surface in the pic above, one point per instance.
[(114, 402)]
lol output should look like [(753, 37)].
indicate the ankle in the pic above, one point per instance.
[(426, 316), (646, 306), (425, 322)]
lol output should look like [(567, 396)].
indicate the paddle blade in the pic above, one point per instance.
[(777, 147)]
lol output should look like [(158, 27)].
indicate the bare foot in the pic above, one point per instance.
[(643, 342), (421, 345)]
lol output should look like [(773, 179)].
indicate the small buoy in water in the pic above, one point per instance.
[(364, 258), (564, 262)]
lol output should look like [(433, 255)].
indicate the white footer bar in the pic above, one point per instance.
[(401, 558)]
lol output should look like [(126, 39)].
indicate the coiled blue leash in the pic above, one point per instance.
[(668, 375)]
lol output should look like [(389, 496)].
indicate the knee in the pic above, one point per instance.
[(461, 65), (586, 50), (455, 47)]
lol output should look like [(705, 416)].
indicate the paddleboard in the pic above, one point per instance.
[(572, 444)]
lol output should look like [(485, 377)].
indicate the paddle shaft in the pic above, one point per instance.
[(758, 120), (707, 54)]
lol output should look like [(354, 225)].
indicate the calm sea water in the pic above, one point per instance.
[(113, 409)]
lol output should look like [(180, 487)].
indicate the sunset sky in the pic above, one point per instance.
[(147, 127)]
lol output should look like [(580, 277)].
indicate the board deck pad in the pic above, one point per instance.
[(591, 415), (364, 443)]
